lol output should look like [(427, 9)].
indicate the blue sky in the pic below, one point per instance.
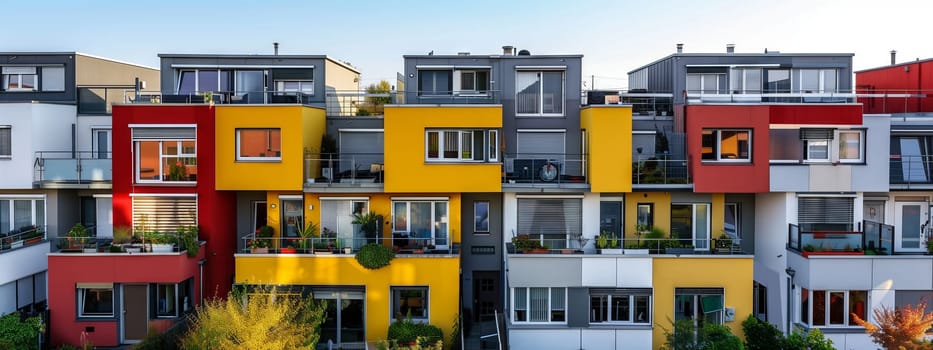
[(613, 36)]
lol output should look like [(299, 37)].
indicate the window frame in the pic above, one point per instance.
[(301, 84), (477, 82), (434, 92), (9, 146), (477, 221), (540, 92), (694, 227), (157, 312), (717, 146), (181, 154), (395, 294), (649, 217), (697, 295), (8, 77), (702, 90), (632, 306), (438, 221), (37, 212), (820, 80), (462, 135), (81, 294), (861, 145), (550, 306), (807, 319), (269, 132)]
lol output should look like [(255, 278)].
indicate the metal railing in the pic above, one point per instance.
[(97, 100), (544, 168), (875, 101), (879, 238), (361, 103), (644, 103), (73, 167), (654, 246), (825, 242), (346, 168), (911, 169), (21, 237), (343, 245), (220, 97), (94, 244), (452, 97), (654, 171), (753, 96)]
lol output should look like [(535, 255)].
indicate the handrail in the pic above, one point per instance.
[(340, 245), (18, 238)]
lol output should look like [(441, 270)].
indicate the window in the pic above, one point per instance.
[(21, 214), (904, 298), (817, 80), (164, 214), (699, 304), (746, 80), (481, 217), (539, 93), (166, 300), (620, 306), (690, 223), (645, 220), (302, 86), (6, 141), (473, 81), (337, 215), (170, 300), (705, 83), (493, 145), (165, 154), (259, 144), (726, 145), (461, 145), (539, 305), (434, 82), (410, 301), (95, 301), (200, 80), (760, 302), (778, 81), (425, 221), (19, 78), (850, 146), (826, 145), (824, 308), (825, 213), (53, 78), (731, 220), (552, 220)]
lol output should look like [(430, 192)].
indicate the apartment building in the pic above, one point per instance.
[(55, 150)]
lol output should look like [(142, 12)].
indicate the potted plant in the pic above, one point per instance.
[(188, 240), (608, 243), (929, 245), (368, 224), (33, 235), (78, 237), (523, 243), (289, 248), (307, 233), (160, 242), (263, 240)]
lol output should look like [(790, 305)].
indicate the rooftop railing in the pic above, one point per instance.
[(631, 246), (655, 171), (97, 100), (911, 170), (219, 97), (79, 167), (895, 101), (879, 238), (346, 168), (756, 96), (452, 97)]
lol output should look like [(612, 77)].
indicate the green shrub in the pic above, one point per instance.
[(687, 336), (760, 335), (404, 331), (16, 334), (375, 256), (812, 340)]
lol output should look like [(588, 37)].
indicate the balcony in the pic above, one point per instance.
[(798, 97), (64, 169), (911, 171), (545, 170), (106, 246), (660, 173), (344, 171), (220, 97), (812, 243), (894, 101), (461, 97), (574, 244), (97, 100), (20, 238), (327, 246)]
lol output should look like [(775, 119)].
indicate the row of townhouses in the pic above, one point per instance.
[(718, 186)]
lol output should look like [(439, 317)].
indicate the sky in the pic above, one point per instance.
[(615, 37)]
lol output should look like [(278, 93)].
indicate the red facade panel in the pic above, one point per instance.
[(67, 270), (723, 177), (216, 209), (816, 114), (912, 78)]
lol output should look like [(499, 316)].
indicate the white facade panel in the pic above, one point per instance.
[(851, 341), (830, 178), (790, 178), (34, 127), (591, 217), (905, 273), (633, 339), (634, 272), (104, 217), (509, 216), (599, 271), (23, 262), (839, 273), (879, 298), (538, 270), (774, 211), (874, 176), (544, 339), (598, 339)]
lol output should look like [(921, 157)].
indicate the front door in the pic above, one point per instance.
[(485, 295), (344, 325), (135, 312), (909, 221)]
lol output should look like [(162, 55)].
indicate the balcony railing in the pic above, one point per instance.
[(341, 245), (73, 167), (643, 246), (21, 237), (344, 168), (93, 244), (655, 171), (728, 96), (544, 168), (97, 100), (825, 242), (911, 169), (883, 101), (452, 97), (219, 97), (879, 238)]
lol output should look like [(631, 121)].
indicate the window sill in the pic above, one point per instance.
[(259, 160), (833, 329), (548, 115), (726, 162), (610, 325), (537, 325)]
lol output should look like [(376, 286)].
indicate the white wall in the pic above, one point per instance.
[(851, 341), (23, 262), (35, 127), (509, 216), (104, 216), (576, 338), (85, 125), (774, 211)]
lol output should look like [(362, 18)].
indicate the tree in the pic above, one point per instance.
[(18, 333), (257, 321), (382, 87), (687, 336), (761, 335), (899, 327)]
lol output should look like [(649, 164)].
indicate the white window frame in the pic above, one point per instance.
[(821, 81), (631, 304), (702, 90), (438, 221), (718, 149), (462, 135), (95, 138), (493, 145), (304, 86), (861, 145), (742, 75), (811, 144), (34, 211), (827, 308), (8, 77), (395, 303), (550, 306), (693, 225), (459, 78), (563, 91), (268, 146), (82, 295), (9, 146), (162, 156)]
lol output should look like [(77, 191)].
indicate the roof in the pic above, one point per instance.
[(320, 57), (895, 65), (725, 54), (494, 56), (25, 53)]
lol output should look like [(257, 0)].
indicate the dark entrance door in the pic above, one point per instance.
[(135, 311), (485, 295)]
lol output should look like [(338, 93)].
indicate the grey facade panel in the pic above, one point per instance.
[(67, 60), (578, 307)]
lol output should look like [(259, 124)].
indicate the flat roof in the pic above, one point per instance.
[(895, 65), (746, 54), (76, 53), (495, 56), (260, 56)]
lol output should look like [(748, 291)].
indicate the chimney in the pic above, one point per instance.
[(680, 48), (275, 48), (893, 53), (730, 48), (508, 50)]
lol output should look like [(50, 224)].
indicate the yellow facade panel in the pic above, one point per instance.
[(406, 167), (608, 142)]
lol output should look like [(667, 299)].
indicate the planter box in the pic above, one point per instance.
[(678, 251), (287, 250), (33, 240), (260, 250), (611, 251), (131, 249), (535, 251), (807, 254), (162, 248), (323, 252), (90, 250), (635, 251), (16, 244)]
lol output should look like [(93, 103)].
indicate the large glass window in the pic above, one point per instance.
[(410, 301), (727, 145), (481, 217), (337, 216), (259, 144), (474, 81), (850, 146), (539, 305), (746, 80), (6, 141), (201, 80), (19, 78), (705, 83), (539, 93), (833, 308), (95, 302), (425, 222), (21, 214), (778, 81), (817, 80), (553, 221), (166, 161), (302, 86), (459, 145), (690, 223), (435, 82), (699, 304), (620, 306)]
